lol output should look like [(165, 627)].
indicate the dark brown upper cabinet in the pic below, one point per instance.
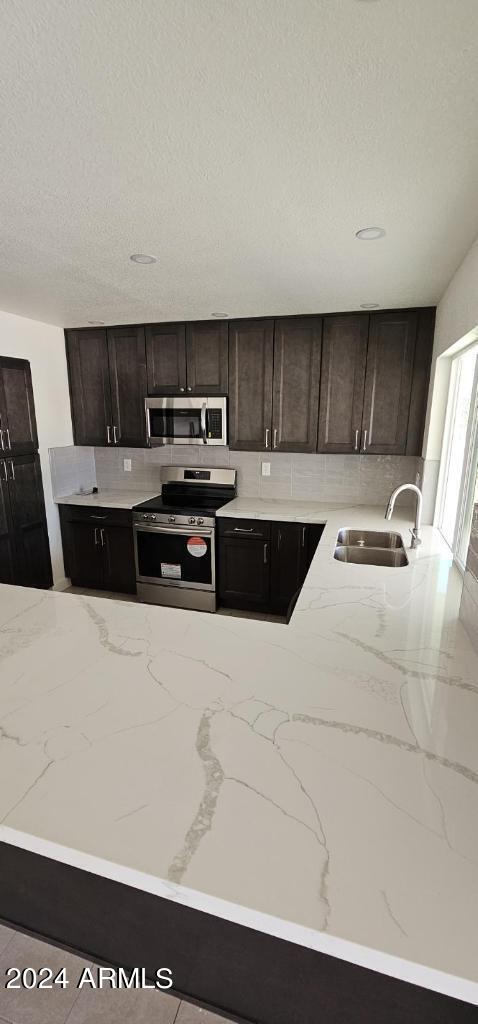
[(296, 382), (166, 358), (250, 384), (344, 356), (107, 371), (207, 358), (388, 382), (18, 431), (90, 391), (127, 365)]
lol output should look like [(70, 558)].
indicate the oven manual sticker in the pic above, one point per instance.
[(173, 572), (197, 547)]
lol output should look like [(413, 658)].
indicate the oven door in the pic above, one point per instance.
[(186, 421), (175, 556)]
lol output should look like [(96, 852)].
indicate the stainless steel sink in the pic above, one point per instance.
[(369, 539), (392, 557)]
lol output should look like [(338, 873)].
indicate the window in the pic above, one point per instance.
[(460, 455)]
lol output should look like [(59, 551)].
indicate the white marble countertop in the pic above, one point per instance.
[(108, 499), (277, 509), (317, 781)]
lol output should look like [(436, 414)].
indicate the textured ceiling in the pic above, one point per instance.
[(241, 141)]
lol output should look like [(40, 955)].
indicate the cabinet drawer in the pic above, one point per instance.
[(95, 514), (243, 529)]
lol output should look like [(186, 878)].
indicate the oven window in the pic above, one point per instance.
[(180, 423), (174, 557)]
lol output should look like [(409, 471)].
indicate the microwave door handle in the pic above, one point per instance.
[(203, 422)]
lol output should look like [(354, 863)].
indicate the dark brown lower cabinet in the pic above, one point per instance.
[(24, 546), (98, 548), (261, 565)]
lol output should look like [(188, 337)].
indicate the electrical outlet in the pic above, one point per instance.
[(266, 469), (127, 465)]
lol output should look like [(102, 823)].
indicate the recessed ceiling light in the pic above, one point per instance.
[(142, 257), (96, 323), (369, 234), (221, 316), (369, 305)]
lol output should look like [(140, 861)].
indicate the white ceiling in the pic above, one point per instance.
[(243, 142)]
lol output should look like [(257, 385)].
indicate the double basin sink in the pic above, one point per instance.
[(370, 547)]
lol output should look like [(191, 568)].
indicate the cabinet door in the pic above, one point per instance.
[(30, 535), (295, 405), (344, 357), (17, 410), (388, 382), (127, 362), (85, 556), (7, 554), (207, 358), (286, 564), (118, 552), (250, 384), (421, 380), (90, 392), (166, 358), (244, 573)]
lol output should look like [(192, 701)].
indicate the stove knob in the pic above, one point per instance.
[(200, 521), (171, 519), (192, 520)]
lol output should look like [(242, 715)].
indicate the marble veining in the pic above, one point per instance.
[(318, 781)]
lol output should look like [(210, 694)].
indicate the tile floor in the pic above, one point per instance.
[(86, 1006)]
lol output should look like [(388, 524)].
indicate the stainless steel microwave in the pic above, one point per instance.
[(180, 420)]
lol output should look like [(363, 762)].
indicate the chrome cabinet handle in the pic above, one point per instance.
[(12, 468), (4, 464), (2, 441), (303, 536), (114, 435), (8, 439), (242, 529), (96, 536), (102, 536), (97, 517), (108, 435), (279, 539), (182, 389), (189, 389), (364, 445), (265, 554), (274, 443), (267, 437), (357, 440)]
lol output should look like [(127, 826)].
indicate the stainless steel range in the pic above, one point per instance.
[(175, 537)]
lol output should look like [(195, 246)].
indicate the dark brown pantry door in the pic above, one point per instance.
[(166, 358), (344, 356), (388, 382), (250, 384), (127, 362), (32, 549), (7, 563), (206, 352), (17, 410), (295, 403), (88, 367)]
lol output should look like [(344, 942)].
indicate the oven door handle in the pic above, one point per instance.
[(180, 531), (203, 422)]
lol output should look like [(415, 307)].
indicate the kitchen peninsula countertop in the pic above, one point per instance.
[(109, 499), (316, 781)]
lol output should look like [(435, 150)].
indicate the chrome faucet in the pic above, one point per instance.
[(416, 539)]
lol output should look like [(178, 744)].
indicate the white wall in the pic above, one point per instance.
[(44, 346), (457, 317)]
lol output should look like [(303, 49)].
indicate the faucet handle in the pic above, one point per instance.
[(416, 539)]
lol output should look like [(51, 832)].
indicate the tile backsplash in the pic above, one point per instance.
[(363, 479), (72, 469)]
